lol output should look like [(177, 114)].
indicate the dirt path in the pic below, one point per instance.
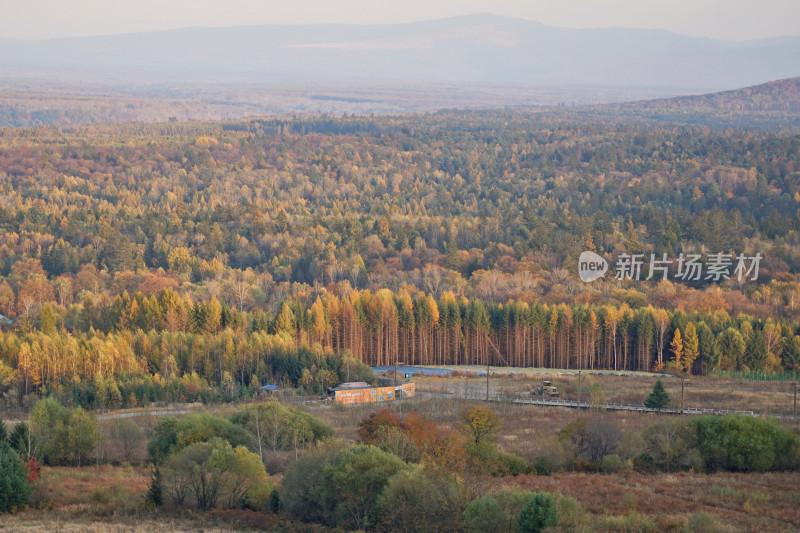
[(183, 409)]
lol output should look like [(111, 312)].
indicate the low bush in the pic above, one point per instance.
[(632, 521), (484, 515), (339, 485), (743, 443), (543, 465), (611, 464), (571, 516), (672, 444), (420, 499), (509, 464), (703, 523), (644, 464)]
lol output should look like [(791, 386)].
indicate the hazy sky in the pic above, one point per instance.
[(723, 19)]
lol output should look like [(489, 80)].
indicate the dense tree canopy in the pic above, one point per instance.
[(195, 260)]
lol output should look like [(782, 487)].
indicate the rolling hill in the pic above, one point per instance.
[(781, 96)]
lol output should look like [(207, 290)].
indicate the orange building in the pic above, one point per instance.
[(351, 396)]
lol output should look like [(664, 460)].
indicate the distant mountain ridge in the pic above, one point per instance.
[(474, 48), (774, 96)]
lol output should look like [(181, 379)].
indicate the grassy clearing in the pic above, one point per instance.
[(770, 397), (99, 489), (110, 498), (69, 501), (666, 502)]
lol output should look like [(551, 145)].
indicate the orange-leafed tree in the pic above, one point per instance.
[(677, 348)]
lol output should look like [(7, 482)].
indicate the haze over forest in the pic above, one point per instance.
[(476, 48), (465, 62)]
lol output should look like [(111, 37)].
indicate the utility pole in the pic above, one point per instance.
[(487, 366), (395, 377), (487, 377), (401, 363), (579, 390), (682, 385)]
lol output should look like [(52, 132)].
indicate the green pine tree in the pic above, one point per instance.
[(659, 398), (14, 488), (155, 494), (538, 514)]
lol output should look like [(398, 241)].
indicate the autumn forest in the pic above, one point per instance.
[(196, 260)]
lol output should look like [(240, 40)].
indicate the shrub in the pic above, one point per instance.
[(611, 464), (63, 436), (590, 438), (543, 466), (376, 422), (395, 441), (509, 464), (202, 427), (440, 446), (579, 464), (672, 444), (644, 464), (632, 521), (420, 500), (260, 497), (571, 516), (631, 445), (745, 443), (353, 481), (539, 513), (164, 439), (299, 489), (703, 523), (14, 488), (100, 495), (512, 501), (497, 512), (484, 515), (205, 474), (629, 500)]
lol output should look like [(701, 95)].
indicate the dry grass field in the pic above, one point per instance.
[(762, 397), (111, 498), (665, 502)]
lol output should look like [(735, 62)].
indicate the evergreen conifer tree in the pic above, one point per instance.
[(155, 493), (659, 398)]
